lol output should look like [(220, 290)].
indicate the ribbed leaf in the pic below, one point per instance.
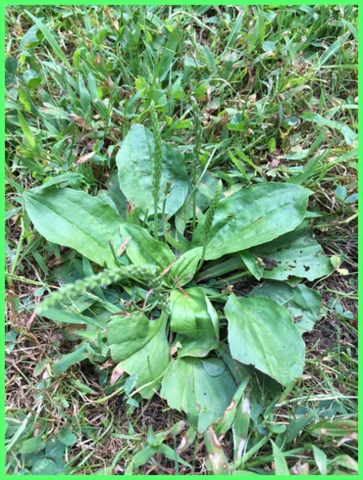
[(202, 388), (184, 268), (77, 220), (194, 318), (262, 333), (252, 216), (134, 161), (296, 254), (303, 303), (151, 356), (143, 249)]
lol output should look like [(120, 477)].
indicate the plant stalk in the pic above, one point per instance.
[(157, 166)]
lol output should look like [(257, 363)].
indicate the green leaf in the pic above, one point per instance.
[(11, 65), (252, 216), (341, 193), (151, 356), (167, 57), (84, 95), (172, 454), (76, 220), (236, 30), (320, 459), (144, 455), (54, 450), (134, 161), (59, 315), (237, 123), (269, 46), (349, 135), (32, 79), (184, 268), (31, 445), (143, 249), (127, 335), (195, 320), (352, 198), (303, 303), (202, 388), (332, 50), (337, 427), (44, 466), (216, 454), (70, 359), (258, 32), (208, 56), (295, 254), (297, 425), (92, 87), (262, 333), (67, 437), (281, 467), (252, 265), (26, 130), (48, 35)]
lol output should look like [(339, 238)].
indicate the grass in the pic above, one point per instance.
[(277, 91)]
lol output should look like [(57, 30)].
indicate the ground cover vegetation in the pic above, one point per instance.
[(181, 219)]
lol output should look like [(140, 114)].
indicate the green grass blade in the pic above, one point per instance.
[(281, 467), (47, 34), (26, 130)]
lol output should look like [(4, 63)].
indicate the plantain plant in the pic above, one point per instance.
[(174, 320)]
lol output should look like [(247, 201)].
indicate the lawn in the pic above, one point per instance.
[(181, 240)]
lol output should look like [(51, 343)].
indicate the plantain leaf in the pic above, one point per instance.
[(77, 220), (127, 335), (252, 216), (184, 268), (303, 303), (262, 333), (195, 320), (134, 161), (202, 388), (143, 249), (151, 356), (251, 263), (295, 254)]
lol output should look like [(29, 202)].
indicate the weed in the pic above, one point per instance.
[(253, 176)]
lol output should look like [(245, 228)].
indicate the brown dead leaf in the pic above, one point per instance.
[(86, 157), (300, 469), (274, 163), (107, 364), (30, 321), (12, 299), (123, 246), (75, 326), (77, 120), (116, 373), (166, 270), (173, 351), (348, 438)]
